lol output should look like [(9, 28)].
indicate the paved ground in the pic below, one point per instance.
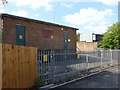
[(106, 79)]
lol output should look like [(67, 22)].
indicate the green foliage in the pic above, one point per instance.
[(111, 39), (78, 37)]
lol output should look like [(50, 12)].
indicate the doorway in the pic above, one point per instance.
[(20, 35), (65, 40)]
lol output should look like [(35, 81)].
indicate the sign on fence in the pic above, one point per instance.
[(45, 58), (78, 56)]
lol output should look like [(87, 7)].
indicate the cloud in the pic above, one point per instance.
[(34, 4), (22, 13), (2, 10), (74, 1), (42, 3), (90, 20), (67, 5), (108, 2), (88, 16), (86, 37), (37, 15)]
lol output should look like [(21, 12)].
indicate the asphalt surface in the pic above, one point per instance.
[(105, 79)]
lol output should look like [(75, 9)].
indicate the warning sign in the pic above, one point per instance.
[(20, 36), (45, 58), (78, 56)]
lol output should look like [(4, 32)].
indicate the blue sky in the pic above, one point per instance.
[(89, 16)]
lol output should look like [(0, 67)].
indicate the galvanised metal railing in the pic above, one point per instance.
[(55, 67)]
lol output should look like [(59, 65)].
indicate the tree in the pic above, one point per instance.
[(3, 2), (78, 37), (111, 39)]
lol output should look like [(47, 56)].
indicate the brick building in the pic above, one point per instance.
[(86, 46), (96, 37), (29, 32)]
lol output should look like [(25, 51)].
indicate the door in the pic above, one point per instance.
[(20, 35), (65, 40)]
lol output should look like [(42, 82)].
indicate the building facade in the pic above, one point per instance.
[(96, 37), (43, 35), (86, 46)]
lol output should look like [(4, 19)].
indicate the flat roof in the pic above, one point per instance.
[(34, 20)]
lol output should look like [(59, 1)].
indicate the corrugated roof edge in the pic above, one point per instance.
[(34, 20)]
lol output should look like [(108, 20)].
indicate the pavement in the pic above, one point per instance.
[(105, 79)]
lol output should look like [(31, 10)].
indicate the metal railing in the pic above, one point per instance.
[(58, 67)]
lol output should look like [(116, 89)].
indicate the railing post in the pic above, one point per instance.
[(53, 61), (111, 56), (87, 62), (101, 61), (65, 64)]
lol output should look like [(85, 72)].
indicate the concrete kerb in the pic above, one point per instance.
[(52, 86), (79, 78)]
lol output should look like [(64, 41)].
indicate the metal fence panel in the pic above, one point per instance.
[(61, 66)]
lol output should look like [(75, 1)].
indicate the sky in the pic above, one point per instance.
[(89, 16)]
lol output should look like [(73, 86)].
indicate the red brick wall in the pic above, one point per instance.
[(34, 35), (86, 46)]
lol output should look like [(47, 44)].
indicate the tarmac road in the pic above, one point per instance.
[(106, 79)]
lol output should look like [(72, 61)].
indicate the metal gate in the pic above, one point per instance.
[(57, 67)]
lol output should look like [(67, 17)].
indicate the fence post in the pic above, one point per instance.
[(65, 64), (51, 67), (111, 56), (41, 66), (101, 62), (87, 62), (53, 61)]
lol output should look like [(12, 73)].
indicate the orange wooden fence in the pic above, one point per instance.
[(0, 66), (18, 66)]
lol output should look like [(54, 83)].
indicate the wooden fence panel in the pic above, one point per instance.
[(33, 64), (6, 67), (0, 66), (19, 66)]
